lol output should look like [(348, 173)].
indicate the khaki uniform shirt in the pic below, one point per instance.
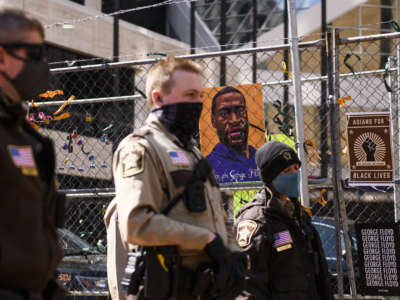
[(150, 167), (117, 252)]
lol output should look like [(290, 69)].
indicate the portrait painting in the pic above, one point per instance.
[(232, 128)]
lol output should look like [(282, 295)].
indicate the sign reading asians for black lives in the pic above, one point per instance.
[(370, 148)]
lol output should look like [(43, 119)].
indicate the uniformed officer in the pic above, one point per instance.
[(287, 259), (30, 208), (154, 165)]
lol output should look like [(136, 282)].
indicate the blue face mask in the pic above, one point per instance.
[(288, 184)]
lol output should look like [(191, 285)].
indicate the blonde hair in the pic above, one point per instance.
[(160, 75)]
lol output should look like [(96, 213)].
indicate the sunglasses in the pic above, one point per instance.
[(33, 51)]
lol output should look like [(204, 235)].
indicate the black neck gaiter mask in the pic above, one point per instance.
[(32, 80), (181, 119)]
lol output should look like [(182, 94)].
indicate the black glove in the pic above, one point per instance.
[(236, 280), (222, 258)]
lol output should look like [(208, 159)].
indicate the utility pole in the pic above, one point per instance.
[(192, 27), (285, 103), (254, 36), (294, 50), (222, 42), (115, 72), (323, 109)]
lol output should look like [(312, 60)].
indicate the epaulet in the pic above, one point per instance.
[(257, 201), (141, 132)]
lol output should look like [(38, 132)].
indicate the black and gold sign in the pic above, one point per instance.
[(370, 148)]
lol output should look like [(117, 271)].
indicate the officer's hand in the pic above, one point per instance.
[(236, 280), (222, 258), (240, 264)]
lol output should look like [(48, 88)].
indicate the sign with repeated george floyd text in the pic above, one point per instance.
[(378, 258), (370, 148)]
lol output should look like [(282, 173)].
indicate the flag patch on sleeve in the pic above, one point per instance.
[(22, 157), (282, 238), (179, 158)]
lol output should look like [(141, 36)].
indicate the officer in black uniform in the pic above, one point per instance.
[(287, 259), (30, 208)]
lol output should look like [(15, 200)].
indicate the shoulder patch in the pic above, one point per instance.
[(245, 230), (132, 159), (179, 158)]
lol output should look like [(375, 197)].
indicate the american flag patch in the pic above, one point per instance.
[(282, 238), (22, 156), (179, 158)]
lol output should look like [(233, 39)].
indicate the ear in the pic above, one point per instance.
[(157, 98)]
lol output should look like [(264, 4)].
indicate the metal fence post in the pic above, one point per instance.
[(332, 83), (337, 170), (394, 113), (294, 50)]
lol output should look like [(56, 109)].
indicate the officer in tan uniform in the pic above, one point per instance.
[(29, 250), (160, 161)]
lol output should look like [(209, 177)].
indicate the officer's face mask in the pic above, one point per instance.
[(181, 119), (33, 78), (288, 184)]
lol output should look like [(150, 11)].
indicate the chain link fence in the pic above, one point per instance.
[(110, 102)]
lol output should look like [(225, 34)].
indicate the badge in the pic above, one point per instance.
[(22, 158), (282, 240), (245, 231), (286, 154), (179, 158), (132, 160)]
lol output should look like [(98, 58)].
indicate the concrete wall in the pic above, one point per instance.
[(95, 37)]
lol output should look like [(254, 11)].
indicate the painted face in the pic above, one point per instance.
[(230, 120)]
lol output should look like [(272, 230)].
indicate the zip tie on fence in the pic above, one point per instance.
[(344, 150), (285, 128), (256, 127), (140, 92), (342, 136), (62, 116), (307, 210), (314, 150), (395, 25), (34, 125), (156, 53), (347, 57), (384, 75), (46, 119), (284, 69), (321, 199), (47, 94), (72, 97), (51, 94), (342, 101)]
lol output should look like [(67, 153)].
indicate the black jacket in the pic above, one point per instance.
[(287, 259), (29, 250)]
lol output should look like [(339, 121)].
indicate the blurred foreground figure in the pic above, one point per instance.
[(30, 208)]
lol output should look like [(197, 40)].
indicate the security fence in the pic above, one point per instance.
[(110, 102)]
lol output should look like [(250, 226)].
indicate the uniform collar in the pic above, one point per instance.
[(10, 110)]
